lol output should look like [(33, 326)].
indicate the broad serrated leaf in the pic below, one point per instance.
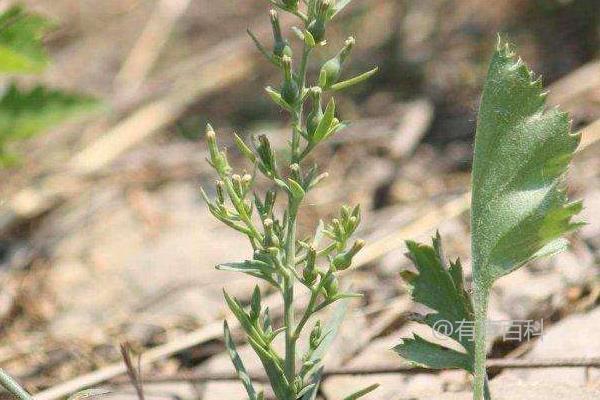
[(21, 47), (238, 363), (519, 208), (440, 288)]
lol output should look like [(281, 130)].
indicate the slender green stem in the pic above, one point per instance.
[(480, 299), (290, 251), (310, 309), (486, 389), (13, 387), (290, 340)]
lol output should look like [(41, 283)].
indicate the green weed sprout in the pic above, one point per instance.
[(519, 213), (280, 258)]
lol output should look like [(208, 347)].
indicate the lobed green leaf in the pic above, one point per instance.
[(440, 288), (519, 208)]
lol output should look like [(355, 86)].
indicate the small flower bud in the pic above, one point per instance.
[(318, 25), (331, 285), (220, 192), (332, 69), (255, 304), (343, 260), (280, 46), (237, 185), (315, 336), (268, 164), (246, 181), (309, 273), (270, 201), (295, 172), (217, 157), (289, 90), (270, 238), (345, 213)]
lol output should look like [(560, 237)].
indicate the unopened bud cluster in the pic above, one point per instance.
[(269, 219)]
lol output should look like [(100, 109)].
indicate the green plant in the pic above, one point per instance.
[(519, 212), (280, 258), (27, 112)]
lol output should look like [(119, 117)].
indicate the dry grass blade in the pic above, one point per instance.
[(132, 371)]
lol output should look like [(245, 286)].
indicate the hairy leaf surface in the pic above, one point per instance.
[(519, 209), (440, 288)]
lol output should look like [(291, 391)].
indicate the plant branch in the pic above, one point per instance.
[(13, 387)]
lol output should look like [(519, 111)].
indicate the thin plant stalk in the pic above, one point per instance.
[(282, 259), (13, 387), (480, 380)]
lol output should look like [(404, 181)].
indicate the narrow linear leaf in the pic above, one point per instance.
[(316, 381), (261, 48), (274, 371), (306, 390), (238, 363), (362, 392), (354, 81), (326, 121), (246, 266), (330, 329)]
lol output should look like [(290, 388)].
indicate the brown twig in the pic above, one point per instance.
[(133, 373), (376, 370)]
